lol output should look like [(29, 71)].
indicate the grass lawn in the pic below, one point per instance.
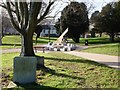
[(14, 41), (9, 41), (111, 49), (66, 71), (98, 41)]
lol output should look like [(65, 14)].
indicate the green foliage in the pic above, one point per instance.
[(67, 71), (94, 21), (109, 18), (75, 18), (57, 26)]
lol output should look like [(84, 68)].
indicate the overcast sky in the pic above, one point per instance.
[(61, 4)]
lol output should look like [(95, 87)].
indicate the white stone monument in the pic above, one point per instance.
[(60, 44)]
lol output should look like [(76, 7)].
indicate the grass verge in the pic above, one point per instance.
[(111, 49)]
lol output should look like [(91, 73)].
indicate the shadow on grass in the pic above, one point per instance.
[(51, 38), (77, 61), (11, 44), (51, 71), (102, 41), (40, 42), (31, 86)]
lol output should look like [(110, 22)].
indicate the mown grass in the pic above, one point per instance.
[(68, 71), (111, 49), (14, 41), (98, 41), (9, 41), (44, 40)]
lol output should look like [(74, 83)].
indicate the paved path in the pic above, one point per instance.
[(18, 50), (10, 50), (111, 61), (13, 50)]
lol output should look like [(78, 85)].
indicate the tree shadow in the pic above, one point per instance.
[(40, 41), (51, 38), (11, 44), (102, 41), (53, 72), (36, 86), (78, 61), (115, 64), (32, 86)]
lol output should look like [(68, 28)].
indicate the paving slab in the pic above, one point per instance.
[(111, 61)]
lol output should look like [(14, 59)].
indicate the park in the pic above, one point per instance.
[(74, 51)]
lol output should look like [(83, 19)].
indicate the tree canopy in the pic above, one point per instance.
[(108, 19), (75, 18)]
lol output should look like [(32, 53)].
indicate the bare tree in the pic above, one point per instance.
[(27, 18), (5, 22)]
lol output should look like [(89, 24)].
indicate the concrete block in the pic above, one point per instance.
[(58, 49), (24, 69), (64, 49), (69, 49), (51, 48), (55, 49), (40, 61)]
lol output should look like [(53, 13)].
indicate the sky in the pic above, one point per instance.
[(96, 4), (61, 4)]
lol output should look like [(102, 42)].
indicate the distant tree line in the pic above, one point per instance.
[(108, 20)]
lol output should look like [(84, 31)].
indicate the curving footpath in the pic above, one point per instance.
[(111, 61)]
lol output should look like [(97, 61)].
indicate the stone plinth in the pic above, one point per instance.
[(24, 69), (40, 61)]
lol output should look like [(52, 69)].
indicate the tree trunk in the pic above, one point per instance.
[(27, 46), (100, 34), (76, 40), (112, 37)]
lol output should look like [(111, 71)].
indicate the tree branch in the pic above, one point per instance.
[(22, 13), (12, 4), (45, 13), (35, 9), (17, 11), (5, 7), (26, 13), (12, 19)]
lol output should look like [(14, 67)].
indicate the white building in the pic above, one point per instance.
[(49, 29)]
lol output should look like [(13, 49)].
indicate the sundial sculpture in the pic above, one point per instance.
[(61, 44), (60, 40)]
